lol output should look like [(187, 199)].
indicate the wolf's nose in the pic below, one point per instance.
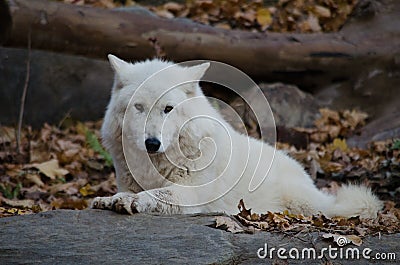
[(152, 145)]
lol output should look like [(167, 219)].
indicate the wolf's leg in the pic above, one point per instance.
[(162, 200)]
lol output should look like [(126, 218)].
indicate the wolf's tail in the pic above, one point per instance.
[(353, 200)]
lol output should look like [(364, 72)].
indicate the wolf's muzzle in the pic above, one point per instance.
[(152, 145)]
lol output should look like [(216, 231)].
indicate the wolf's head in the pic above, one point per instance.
[(155, 100)]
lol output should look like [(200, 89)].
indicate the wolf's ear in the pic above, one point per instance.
[(117, 64), (197, 71)]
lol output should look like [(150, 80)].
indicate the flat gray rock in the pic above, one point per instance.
[(104, 237), (59, 86)]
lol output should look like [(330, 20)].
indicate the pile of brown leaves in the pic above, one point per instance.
[(353, 229), (278, 16), (311, 15), (58, 168), (329, 159)]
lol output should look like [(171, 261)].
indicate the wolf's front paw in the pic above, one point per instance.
[(124, 202), (104, 203)]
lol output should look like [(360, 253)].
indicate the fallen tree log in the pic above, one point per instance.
[(306, 59)]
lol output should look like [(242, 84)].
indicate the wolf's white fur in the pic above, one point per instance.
[(234, 157)]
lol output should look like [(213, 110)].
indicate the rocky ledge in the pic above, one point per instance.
[(103, 237)]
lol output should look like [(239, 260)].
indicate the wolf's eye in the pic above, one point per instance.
[(168, 109), (139, 107)]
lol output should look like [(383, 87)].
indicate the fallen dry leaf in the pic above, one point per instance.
[(243, 212), (339, 144), (356, 240), (69, 203), (228, 224), (86, 190), (264, 18), (322, 11), (18, 203), (50, 168), (7, 135), (35, 178)]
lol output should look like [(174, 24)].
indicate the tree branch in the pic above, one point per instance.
[(23, 96)]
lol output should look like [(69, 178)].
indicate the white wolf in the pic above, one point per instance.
[(174, 153)]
